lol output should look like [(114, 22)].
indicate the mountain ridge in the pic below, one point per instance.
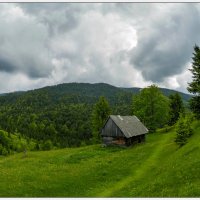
[(102, 86)]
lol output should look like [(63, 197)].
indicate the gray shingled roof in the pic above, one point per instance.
[(129, 125)]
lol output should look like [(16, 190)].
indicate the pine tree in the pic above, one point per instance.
[(100, 114), (183, 130), (181, 136), (194, 86)]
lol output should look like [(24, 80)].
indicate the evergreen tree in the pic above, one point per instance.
[(100, 114), (183, 130), (181, 137), (194, 86), (152, 107), (176, 107)]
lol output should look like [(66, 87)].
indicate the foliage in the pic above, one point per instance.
[(195, 106), (47, 145), (152, 107), (176, 107), (183, 130), (60, 113), (10, 143), (194, 86), (100, 114)]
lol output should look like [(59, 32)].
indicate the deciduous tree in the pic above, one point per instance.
[(151, 107)]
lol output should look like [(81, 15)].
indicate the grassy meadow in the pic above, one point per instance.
[(156, 168)]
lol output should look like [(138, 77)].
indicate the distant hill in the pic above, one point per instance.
[(85, 92), (62, 113)]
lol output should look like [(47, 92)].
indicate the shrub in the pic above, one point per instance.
[(4, 152), (47, 145), (1, 148)]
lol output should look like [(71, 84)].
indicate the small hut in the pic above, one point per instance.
[(123, 130)]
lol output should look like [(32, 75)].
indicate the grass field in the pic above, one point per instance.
[(156, 168)]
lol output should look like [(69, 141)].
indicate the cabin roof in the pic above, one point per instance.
[(129, 125)]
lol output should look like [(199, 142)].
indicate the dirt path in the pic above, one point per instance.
[(137, 174)]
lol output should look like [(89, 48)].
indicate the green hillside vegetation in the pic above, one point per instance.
[(15, 143), (61, 113), (76, 90), (156, 168), (165, 91)]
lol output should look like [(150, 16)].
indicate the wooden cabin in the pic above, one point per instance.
[(123, 131)]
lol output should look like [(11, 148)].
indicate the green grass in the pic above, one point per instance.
[(156, 168)]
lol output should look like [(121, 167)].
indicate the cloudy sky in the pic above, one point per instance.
[(123, 44)]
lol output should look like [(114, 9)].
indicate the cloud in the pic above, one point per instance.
[(165, 41), (23, 43), (124, 44), (89, 51)]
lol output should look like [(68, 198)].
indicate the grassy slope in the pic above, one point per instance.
[(154, 169)]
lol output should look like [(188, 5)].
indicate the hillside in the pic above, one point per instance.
[(80, 90), (61, 113), (157, 168)]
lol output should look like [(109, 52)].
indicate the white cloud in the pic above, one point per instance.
[(46, 44), (23, 43), (17, 82), (179, 82)]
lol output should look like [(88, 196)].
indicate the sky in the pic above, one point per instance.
[(122, 44)]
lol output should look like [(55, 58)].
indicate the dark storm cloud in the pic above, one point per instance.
[(59, 17), (6, 66), (24, 43), (165, 43), (50, 43)]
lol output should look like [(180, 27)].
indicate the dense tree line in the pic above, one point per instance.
[(56, 116), (68, 116), (64, 125)]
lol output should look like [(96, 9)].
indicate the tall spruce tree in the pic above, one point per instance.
[(194, 86), (183, 130), (100, 114), (176, 107)]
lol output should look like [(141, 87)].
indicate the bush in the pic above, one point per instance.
[(1, 149), (47, 145), (4, 139), (4, 152)]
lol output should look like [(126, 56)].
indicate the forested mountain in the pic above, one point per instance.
[(62, 113), (92, 91)]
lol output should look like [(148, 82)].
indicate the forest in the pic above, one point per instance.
[(60, 116)]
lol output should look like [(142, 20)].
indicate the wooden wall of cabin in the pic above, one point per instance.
[(114, 141), (122, 141), (111, 129), (135, 139)]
